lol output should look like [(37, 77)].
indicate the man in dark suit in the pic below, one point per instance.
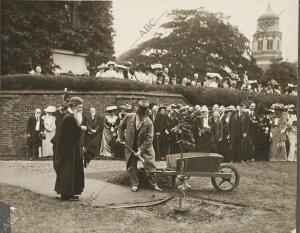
[(93, 136), (239, 131), (139, 136), (253, 132), (35, 128)]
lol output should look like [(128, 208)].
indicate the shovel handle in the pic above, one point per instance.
[(131, 150)]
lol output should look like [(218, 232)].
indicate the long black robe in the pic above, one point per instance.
[(69, 167)]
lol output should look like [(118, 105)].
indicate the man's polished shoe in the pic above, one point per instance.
[(157, 188), (134, 188)]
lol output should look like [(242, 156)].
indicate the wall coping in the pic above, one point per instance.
[(120, 94)]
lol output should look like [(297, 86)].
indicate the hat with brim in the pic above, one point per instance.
[(129, 63), (123, 107), (143, 103), (277, 106), (111, 108), (156, 66), (50, 109), (204, 109), (121, 67), (230, 108), (76, 100), (111, 63), (101, 67)]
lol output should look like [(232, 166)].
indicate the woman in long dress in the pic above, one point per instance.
[(292, 135), (109, 136), (278, 134), (49, 123)]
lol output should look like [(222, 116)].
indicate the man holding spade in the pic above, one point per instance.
[(139, 144)]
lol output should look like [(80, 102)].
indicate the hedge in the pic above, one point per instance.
[(195, 95)]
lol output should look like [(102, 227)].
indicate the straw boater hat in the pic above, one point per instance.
[(111, 108), (277, 106), (50, 109), (111, 63), (101, 67), (121, 67), (230, 108), (156, 66)]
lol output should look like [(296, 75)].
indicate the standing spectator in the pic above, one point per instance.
[(216, 132), (38, 70), (111, 73), (70, 174), (292, 133), (129, 73), (226, 149), (101, 71), (203, 144), (49, 132), (120, 71), (93, 136), (278, 136), (162, 125), (35, 127), (238, 132), (253, 129), (148, 76), (111, 122)]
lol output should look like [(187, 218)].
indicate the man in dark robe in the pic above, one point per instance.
[(69, 164), (239, 131), (35, 127), (93, 136)]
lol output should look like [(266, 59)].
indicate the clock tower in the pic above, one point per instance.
[(267, 39)]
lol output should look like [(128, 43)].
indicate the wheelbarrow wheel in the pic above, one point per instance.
[(226, 184)]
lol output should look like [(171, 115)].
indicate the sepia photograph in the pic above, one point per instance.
[(149, 116)]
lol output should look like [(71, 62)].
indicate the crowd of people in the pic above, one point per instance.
[(157, 74), (240, 134)]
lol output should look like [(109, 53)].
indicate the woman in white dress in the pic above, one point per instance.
[(111, 122), (292, 133), (49, 122)]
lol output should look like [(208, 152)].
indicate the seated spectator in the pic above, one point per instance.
[(160, 80), (101, 68)]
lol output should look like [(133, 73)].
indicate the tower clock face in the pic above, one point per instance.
[(266, 24)]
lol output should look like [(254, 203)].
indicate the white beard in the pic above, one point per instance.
[(79, 118)]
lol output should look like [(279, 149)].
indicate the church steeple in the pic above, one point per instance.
[(267, 38)]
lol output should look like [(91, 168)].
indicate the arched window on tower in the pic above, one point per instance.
[(260, 45), (270, 44)]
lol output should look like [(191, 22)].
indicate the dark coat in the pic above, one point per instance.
[(144, 137), (70, 175), (92, 140), (239, 126), (32, 139)]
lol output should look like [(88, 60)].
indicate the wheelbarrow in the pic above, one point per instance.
[(224, 177)]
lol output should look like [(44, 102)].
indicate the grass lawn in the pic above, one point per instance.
[(265, 201)]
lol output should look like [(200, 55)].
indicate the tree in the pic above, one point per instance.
[(198, 41), (31, 29), (282, 71)]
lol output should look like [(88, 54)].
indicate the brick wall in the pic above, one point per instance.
[(17, 106)]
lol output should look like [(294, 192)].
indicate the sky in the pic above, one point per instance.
[(131, 16)]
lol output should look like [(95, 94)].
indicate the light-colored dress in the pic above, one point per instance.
[(47, 146), (109, 136), (278, 131), (292, 136)]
